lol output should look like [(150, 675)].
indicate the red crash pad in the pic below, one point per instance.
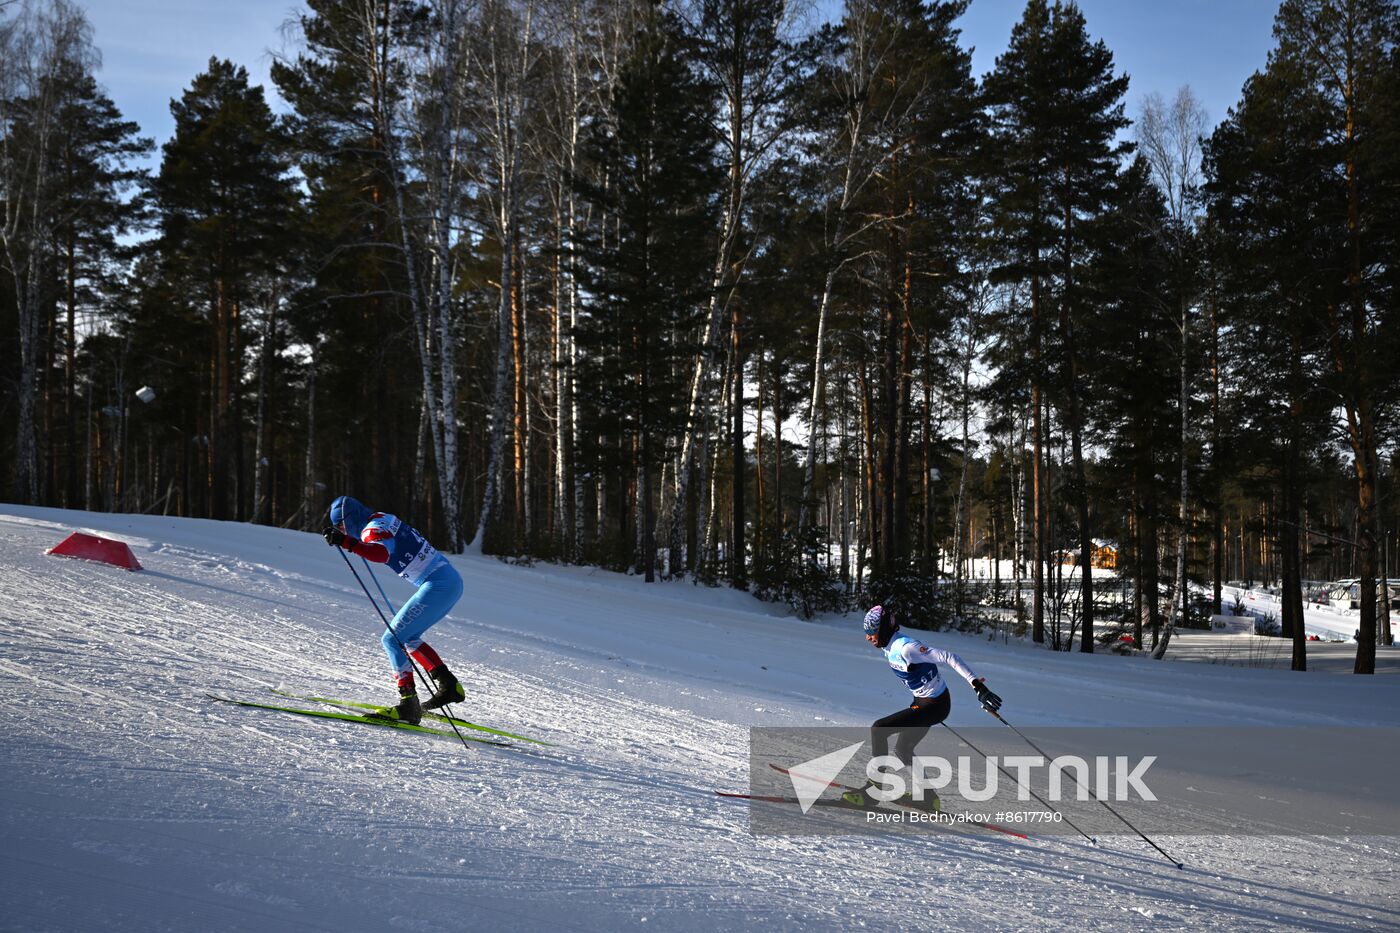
[(91, 547)]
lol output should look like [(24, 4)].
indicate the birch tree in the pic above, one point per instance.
[(883, 72), (435, 117), (585, 39), (352, 83), (499, 80), (745, 53), (1169, 138), (42, 41)]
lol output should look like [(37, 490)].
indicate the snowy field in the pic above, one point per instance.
[(130, 802)]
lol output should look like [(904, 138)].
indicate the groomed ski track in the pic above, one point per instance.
[(131, 802)]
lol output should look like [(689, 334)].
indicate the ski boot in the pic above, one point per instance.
[(861, 796), (449, 688), (409, 710)]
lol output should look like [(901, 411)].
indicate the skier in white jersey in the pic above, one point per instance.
[(388, 540), (917, 665)]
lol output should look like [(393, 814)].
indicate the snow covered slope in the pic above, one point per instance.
[(130, 802), (1326, 622)]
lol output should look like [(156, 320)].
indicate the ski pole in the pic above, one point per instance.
[(1120, 816), (392, 634), (417, 670), (377, 585), (1042, 800)]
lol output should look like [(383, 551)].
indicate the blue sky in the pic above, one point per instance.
[(152, 48)]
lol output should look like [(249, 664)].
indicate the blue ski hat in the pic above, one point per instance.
[(352, 512)]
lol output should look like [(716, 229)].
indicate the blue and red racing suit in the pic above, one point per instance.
[(386, 539)]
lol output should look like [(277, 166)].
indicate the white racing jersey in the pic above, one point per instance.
[(917, 665)]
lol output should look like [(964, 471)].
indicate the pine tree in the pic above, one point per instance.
[(1055, 107), (891, 122), (223, 197), (644, 270), (348, 88), (746, 58), (93, 210), (1130, 350), (1269, 189), (1342, 50)]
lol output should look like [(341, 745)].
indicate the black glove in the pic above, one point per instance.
[(333, 535), (989, 700)]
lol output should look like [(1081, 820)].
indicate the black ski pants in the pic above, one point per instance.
[(909, 726)]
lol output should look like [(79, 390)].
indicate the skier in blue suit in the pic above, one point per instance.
[(386, 539), (916, 664)]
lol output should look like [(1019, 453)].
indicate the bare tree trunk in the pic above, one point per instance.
[(1384, 636), (1179, 587), (49, 488), (927, 549), (704, 362), (1217, 508), (778, 413), (1170, 138), (260, 448), (520, 405), (421, 482), (310, 511), (760, 499), (866, 59), (865, 531), (89, 465), (708, 506), (1018, 510), (574, 482), (561, 516), (428, 284), (814, 400), (34, 47), (1291, 595), (846, 492), (720, 281), (440, 148), (500, 409), (1039, 497), (738, 560), (962, 490), (744, 60), (885, 554), (903, 385), (646, 515), (504, 72), (1081, 482)]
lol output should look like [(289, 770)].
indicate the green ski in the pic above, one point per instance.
[(376, 707), (364, 720)]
